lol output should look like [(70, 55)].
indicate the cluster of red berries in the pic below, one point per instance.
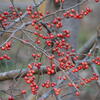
[(23, 92), (93, 78), (97, 0), (96, 60), (48, 39), (84, 82), (58, 1), (66, 65), (57, 91), (7, 46), (37, 64), (83, 65), (62, 44), (11, 98), (74, 14), (66, 33), (30, 79), (11, 14), (34, 15), (57, 22), (5, 57), (62, 78), (73, 85), (48, 84), (36, 56), (50, 70)]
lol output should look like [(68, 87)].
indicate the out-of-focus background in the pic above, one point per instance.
[(88, 28)]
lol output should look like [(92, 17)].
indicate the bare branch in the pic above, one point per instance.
[(87, 46), (14, 32), (13, 73)]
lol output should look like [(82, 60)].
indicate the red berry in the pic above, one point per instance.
[(11, 98), (97, 0), (23, 91), (77, 93)]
